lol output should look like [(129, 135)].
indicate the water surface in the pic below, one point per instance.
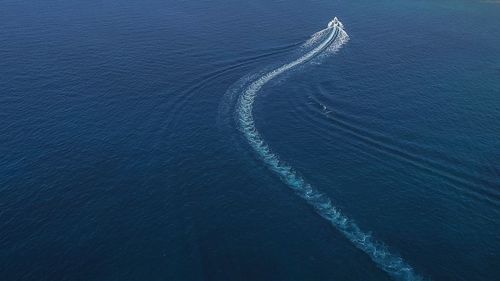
[(121, 157)]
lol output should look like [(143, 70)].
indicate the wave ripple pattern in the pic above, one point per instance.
[(391, 263)]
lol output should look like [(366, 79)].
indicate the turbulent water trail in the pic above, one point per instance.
[(394, 265)]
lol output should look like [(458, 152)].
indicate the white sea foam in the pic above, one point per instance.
[(315, 38), (333, 37)]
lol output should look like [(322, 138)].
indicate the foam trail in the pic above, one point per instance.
[(394, 265)]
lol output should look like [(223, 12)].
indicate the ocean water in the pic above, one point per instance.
[(249, 140)]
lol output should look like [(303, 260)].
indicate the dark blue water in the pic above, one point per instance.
[(122, 155)]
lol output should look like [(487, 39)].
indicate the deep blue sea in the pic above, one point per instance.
[(247, 140)]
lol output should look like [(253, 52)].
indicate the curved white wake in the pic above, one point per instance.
[(391, 263)]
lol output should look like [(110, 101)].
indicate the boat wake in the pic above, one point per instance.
[(329, 40)]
